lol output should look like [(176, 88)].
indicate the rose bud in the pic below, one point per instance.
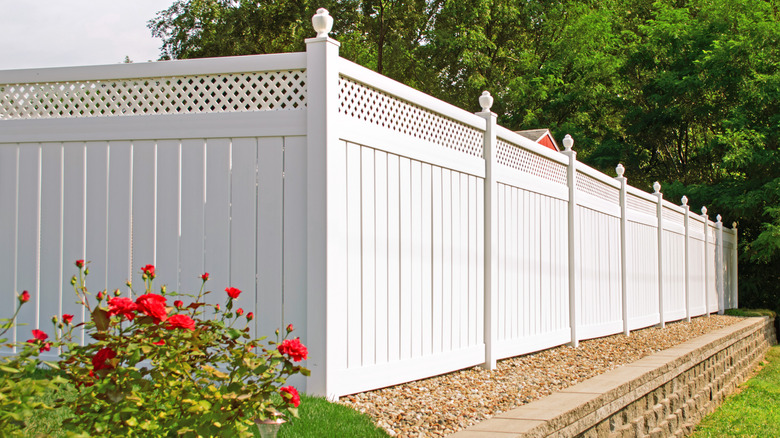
[(250, 316), (239, 312), (117, 293), (205, 276), (54, 319), (24, 297), (178, 303), (290, 328), (86, 271), (67, 318), (100, 295), (79, 263), (73, 280), (163, 289)]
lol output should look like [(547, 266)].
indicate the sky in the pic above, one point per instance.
[(57, 33)]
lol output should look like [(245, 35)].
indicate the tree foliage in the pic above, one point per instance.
[(686, 92)]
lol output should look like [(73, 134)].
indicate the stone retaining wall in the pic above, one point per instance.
[(664, 394)]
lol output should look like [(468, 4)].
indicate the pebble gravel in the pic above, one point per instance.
[(445, 404)]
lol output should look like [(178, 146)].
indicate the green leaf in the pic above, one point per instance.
[(8, 369), (234, 333)]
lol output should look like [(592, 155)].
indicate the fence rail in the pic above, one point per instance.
[(402, 236)]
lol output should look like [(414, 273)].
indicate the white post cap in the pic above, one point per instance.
[(684, 200), (657, 187), (620, 170), (485, 101), (704, 210), (322, 22), (568, 142)]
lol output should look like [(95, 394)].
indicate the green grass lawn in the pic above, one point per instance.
[(754, 411), (318, 418)]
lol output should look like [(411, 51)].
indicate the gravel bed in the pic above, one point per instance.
[(445, 404)]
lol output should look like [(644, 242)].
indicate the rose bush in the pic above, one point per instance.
[(186, 369), (19, 391)]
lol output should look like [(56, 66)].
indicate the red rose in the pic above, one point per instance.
[(290, 328), (148, 270), (101, 359), (122, 306), (180, 321), (294, 349), (233, 292), (100, 295), (152, 305), (178, 303), (205, 276), (160, 342), (294, 398), (24, 297), (79, 263), (40, 337), (250, 316), (239, 312), (66, 318)]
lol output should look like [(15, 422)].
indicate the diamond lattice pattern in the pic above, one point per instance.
[(373, 106), (592, 186), (638, 204), (259, 91), (528, 162)]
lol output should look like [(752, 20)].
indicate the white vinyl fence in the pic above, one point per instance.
[(402, 236)]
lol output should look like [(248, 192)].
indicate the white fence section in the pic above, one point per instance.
[(402, 236)]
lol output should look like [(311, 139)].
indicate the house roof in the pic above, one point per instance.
[(541, 136)]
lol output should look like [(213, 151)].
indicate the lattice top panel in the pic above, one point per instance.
[(217, 93), (638, 204), (529, 162), (672, 216), (373, 106), (592, 186)]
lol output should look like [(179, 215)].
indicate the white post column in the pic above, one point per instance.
[(687, 261), (623, 255), (659, 212), (735, 268), (706, 261), (326, 207), (491, 230), (574, 241), (719, 280)]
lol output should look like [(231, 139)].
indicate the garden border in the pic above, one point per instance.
[(663, 394)]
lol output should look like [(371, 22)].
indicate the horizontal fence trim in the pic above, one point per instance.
[(674, 228), (674, 207), (530, 344), (356, 380), (142, 70), (641, 218), (367, 134), (639, 322), (631, 190), (518, 140), (389, 86), (531, 183), (595, 203), (159, 127), (599, 330), (595, 174)]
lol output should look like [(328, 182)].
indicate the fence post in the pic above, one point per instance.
[(687, 261), (706, 261), (574, 243), (325, 204), (660, 211), (623, 255), (735, 268), (719, 280), (491, 230)]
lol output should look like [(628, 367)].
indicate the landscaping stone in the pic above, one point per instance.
[(445, 404)]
